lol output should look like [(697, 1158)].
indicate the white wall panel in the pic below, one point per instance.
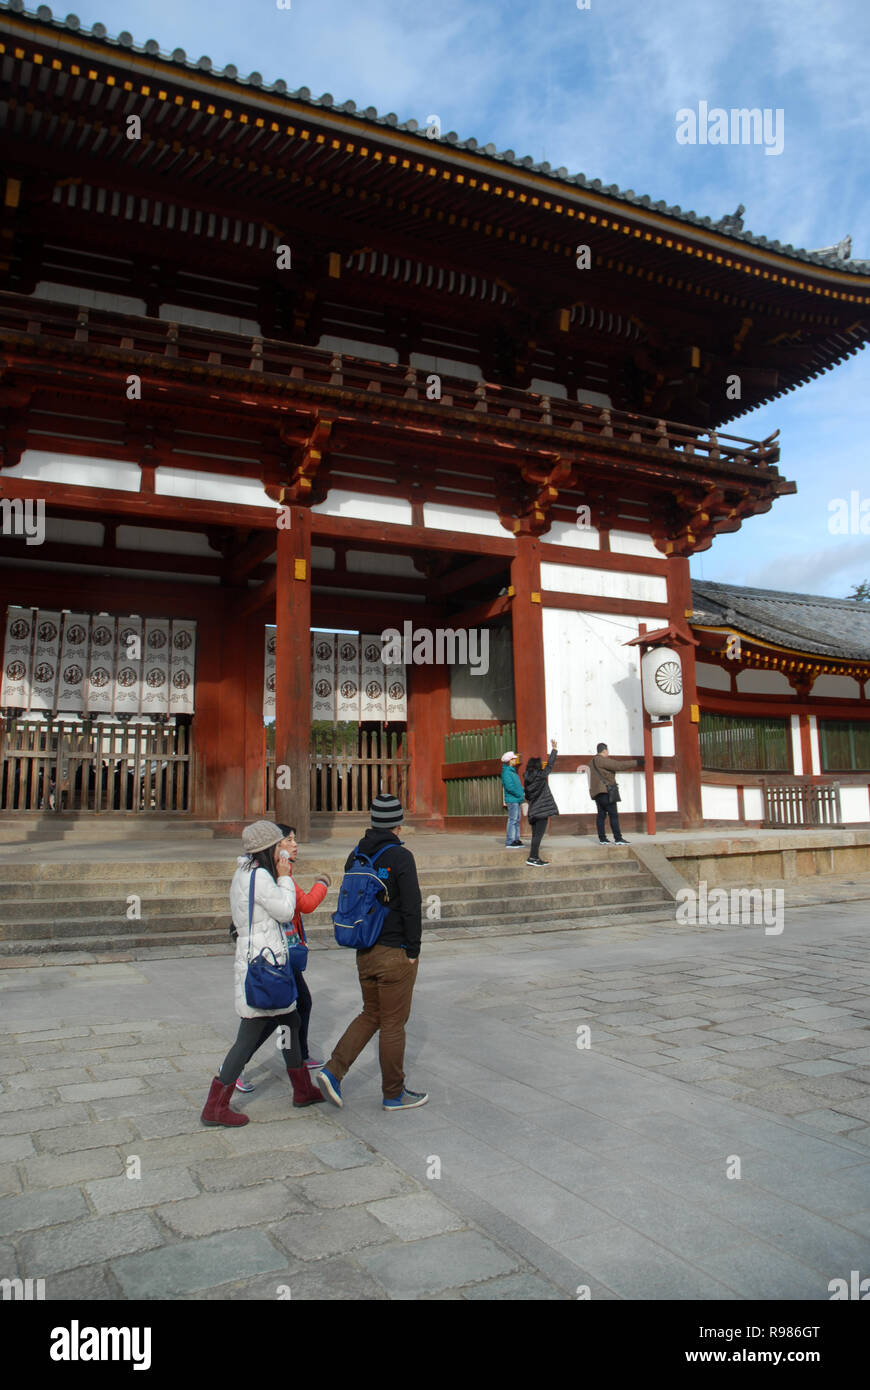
[(78, 472), (592, 681), (554, 389), (579, 579), (634, 543), (815, 749), (361, 507), (167, 542), (763, 683), (711, 677), (355, 347), (68, 532), (753, 803), (89, 299), (566, 533), (719, 803), (211, 487), (467, 520), (840, 687), (854, 805), (377, 562), (445, 366), (797, 755), (201, 318)]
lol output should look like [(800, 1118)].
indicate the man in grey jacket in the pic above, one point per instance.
[(602, 783)]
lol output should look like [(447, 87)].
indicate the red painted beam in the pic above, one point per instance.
[(592, 604), (99, 502)]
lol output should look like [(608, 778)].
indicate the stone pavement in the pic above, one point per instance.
[(712, 1051)]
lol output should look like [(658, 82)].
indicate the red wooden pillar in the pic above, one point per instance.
[(527, 622), (229, 771), (255, 737), (428, 722), (806, 744), (687, 745), (293, 672), (206, 720)]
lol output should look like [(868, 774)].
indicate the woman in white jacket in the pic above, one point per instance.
[(274, 903)]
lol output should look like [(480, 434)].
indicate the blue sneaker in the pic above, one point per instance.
[(408, 1100), (243, 1085), (329, 1086)]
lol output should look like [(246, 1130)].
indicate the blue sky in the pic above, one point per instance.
[(597, 90)]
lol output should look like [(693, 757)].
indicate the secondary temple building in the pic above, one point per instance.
[(279, 375)]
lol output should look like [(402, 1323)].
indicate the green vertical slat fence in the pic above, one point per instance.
[(478, 796)]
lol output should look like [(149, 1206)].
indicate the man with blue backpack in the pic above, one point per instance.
[(380, 914)]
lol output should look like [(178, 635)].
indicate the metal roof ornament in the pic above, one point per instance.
[(841, 252), (732, 221)]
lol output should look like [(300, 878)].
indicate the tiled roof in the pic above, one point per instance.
[(836, 627), (254, 80)]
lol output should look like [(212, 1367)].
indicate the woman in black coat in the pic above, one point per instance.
[(536, 786)]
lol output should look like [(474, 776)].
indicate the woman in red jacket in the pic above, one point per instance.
[(304, 1093)]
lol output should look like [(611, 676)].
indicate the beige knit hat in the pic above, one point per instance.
[(263, 834)]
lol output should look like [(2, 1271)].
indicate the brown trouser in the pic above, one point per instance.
[(386, 978)]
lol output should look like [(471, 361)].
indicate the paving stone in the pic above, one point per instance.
[(279, 1286), (334, 1281), (855, 1106), (16, 1146), (125, 1194), (8, 1263), (298, 1128), (96, 1135), (29, 1212), (191, 1265), (343, 1153), (13, 1101), (631, 1265), (27, 1121), (148, 1103), (179, 1149), (43, 1077), (818, 1068), (315, 1236), (65, 1170), (162, 1124), (437, 1263), (829, 1120), (835, 1087), (100, 1090), (24, 1040), (354, 1186), (415, 1216), (116, 1071), (9, 1180), (515, 1287), (90, 1285), (219, 1174), (87, 1242), (250, 1206)]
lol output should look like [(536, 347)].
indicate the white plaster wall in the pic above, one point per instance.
[(554, 389), (854, 804), (445, 366), (201, 318), (375, 562), (592, 681), (567, 533), (634, 543), (73, 532), (577, 579), (211, 487), (79, 472), (593, 398), (355, 347), (797, 756), (763, 683), (361, 507), (815, 746), (711, 677), (89, 299), (169, 542), (841, 687), (718, 803), (322, 558), (467, 520), (663, 742), (753, 803)]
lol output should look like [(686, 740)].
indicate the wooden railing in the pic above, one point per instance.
[(346, 772), (29, 323), (81, 765), (479, 794), (801, 803)]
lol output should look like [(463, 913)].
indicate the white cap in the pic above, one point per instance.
[(508, 757)]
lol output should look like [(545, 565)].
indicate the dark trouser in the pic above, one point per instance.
[(539, 827), (303, 1008), (252, 1033), (386, 978), (606, 809)]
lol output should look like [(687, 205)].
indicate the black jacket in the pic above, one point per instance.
[(403, 924), (537, 788)]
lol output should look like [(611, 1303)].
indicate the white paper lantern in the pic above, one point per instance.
[(661, 675)]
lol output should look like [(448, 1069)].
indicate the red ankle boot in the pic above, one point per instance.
[(217, 1108), (304, 1092)]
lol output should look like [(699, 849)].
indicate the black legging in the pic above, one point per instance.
[(606, 809), (303, 1008), (252, 1033), (539, 827)]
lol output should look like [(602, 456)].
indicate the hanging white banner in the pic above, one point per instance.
[(397, 695), (269, 674), (17, 658), (46, 654), (128, 670), (101, 666), (373, 695), (347, 677), (155, 670), (323, 675), (73, 663), (182, 666)]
